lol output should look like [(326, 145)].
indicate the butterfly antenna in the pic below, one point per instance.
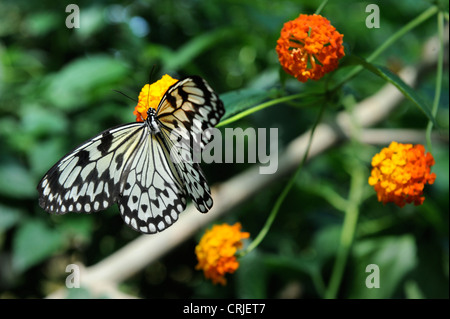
[(152, 71), (126, 96)]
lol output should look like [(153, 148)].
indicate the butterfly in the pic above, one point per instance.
[(139, 165)]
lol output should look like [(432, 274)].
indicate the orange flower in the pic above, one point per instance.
[(309, 47), (216, 252), (400, 173), (151, 95)]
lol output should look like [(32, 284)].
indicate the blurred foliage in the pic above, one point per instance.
[(56, 91)]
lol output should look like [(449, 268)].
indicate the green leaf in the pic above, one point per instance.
[(9, 216), (83, 80), (175, 60), (393, 78), (242, 100), (41, 23), (325, 243), (395, 258), (251, 277), (43, 156), (33, 243), (16, 181), (37, 120)]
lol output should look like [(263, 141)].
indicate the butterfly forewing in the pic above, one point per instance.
[(191, 105), (87, 179), (139, 167)]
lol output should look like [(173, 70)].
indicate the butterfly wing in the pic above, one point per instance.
[(190, 105), (131, 165), (153, 194), (188, 108), (87, 179), (190, 172)]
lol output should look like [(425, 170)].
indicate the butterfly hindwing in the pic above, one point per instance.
[(182, 155), (152, 192)]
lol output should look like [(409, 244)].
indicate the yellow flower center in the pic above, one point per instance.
[(151, 95)]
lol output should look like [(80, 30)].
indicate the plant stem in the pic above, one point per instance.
[(390, 41), (260, 107), (437, 92), (348, 231), (283, 194)]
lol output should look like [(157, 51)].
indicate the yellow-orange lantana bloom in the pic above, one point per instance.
[(400, 173), (216, 251), (151, 95), (309, 47)]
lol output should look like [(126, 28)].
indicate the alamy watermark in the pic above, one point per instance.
[(73, 279), (73, 19), (211, 146), (373, 19), (373, 279)]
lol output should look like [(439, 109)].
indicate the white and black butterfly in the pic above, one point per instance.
[(132, 164)]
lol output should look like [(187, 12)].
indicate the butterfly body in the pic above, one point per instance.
[(135, 166), (152, 121)]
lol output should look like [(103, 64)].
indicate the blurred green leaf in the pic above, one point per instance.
[(251, 277), (396, 258), (44, 155), (412, 290), (84, 80), (41, 23), (78, 226), (92, 19), (33, 242), (9, 216), (175, 60), (16, 181), (38, 120), (326, 242)]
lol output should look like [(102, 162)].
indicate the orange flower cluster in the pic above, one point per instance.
[(151, 95), (217, 249), (400, 173), (309, 47)]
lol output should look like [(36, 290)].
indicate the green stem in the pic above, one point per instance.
[(348, 231), (322, 5), (437, 92), (390, 41), (260, 107), (259, 238)]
